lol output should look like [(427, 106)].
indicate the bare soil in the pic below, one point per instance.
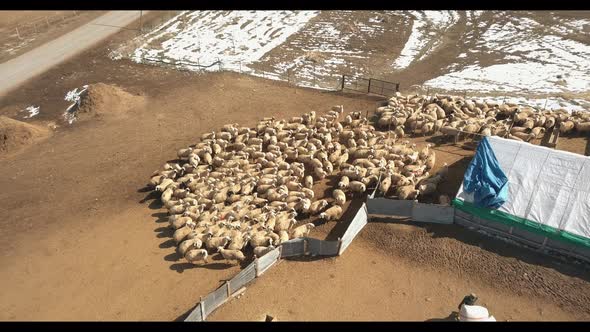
[(15, 135), (83, 239)]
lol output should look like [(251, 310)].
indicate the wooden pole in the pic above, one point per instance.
[(342, 87)]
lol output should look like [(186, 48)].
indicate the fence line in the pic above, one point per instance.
[(369, 85), (22, 30), (418, 212)]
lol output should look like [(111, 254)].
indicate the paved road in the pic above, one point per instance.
[(18, 70)]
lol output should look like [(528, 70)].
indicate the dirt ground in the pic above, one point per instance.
[(83, 239), (58, 23)]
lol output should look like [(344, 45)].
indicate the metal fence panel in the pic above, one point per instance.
[(320, 247), (214, 299), (356, 84), (390, 207), (241, 279), (266, 261), (383, 88), (359, 221), (295, 247), (195, 316), (433, 213)]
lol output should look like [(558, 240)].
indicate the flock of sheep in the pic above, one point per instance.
[(245, 187), (453, 116)]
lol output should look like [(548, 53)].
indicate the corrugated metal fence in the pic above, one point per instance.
[(420, 212)]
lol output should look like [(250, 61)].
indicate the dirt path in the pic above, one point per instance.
[(16, 71)]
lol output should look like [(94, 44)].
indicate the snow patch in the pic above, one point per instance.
[(236, 38), (33, 110)]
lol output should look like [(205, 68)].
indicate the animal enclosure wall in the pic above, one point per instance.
[(420, 212), (266, 261), (357, 224)]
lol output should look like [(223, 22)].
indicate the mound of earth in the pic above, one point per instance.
[(103, 99), (16, 134)]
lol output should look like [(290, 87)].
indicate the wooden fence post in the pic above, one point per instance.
[(343, 78), (369, 86), (228, 288)]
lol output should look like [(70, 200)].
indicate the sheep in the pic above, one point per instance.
[(339, 197), (317, 207), (283, 236), (302, 231), (238, 242), (262, 250), (178, 222), (539, 132), (582, 127), (195, 255), (407, 192), (231, 255), (320, 173), (164, 184), (566, 127), (182, 232), (188, 244), (357, 187), (385, 185), (333, 213), (344, 182), (308, 182), (214, 242)]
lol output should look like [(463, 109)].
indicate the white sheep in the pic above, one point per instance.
[(302, 231), (231, 255), (195, 255), (357, 187), (317, 206), (189, 244), (339, 197), (333, 213), (262, 250), (344, 182)]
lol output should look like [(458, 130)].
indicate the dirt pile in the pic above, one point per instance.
[(103, 99), (16, 134)]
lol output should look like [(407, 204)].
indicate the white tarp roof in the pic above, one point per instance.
[(547, 186)]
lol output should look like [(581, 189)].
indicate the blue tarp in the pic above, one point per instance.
[(485, 178)]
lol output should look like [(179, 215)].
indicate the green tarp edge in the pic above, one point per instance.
[(522, 223)]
